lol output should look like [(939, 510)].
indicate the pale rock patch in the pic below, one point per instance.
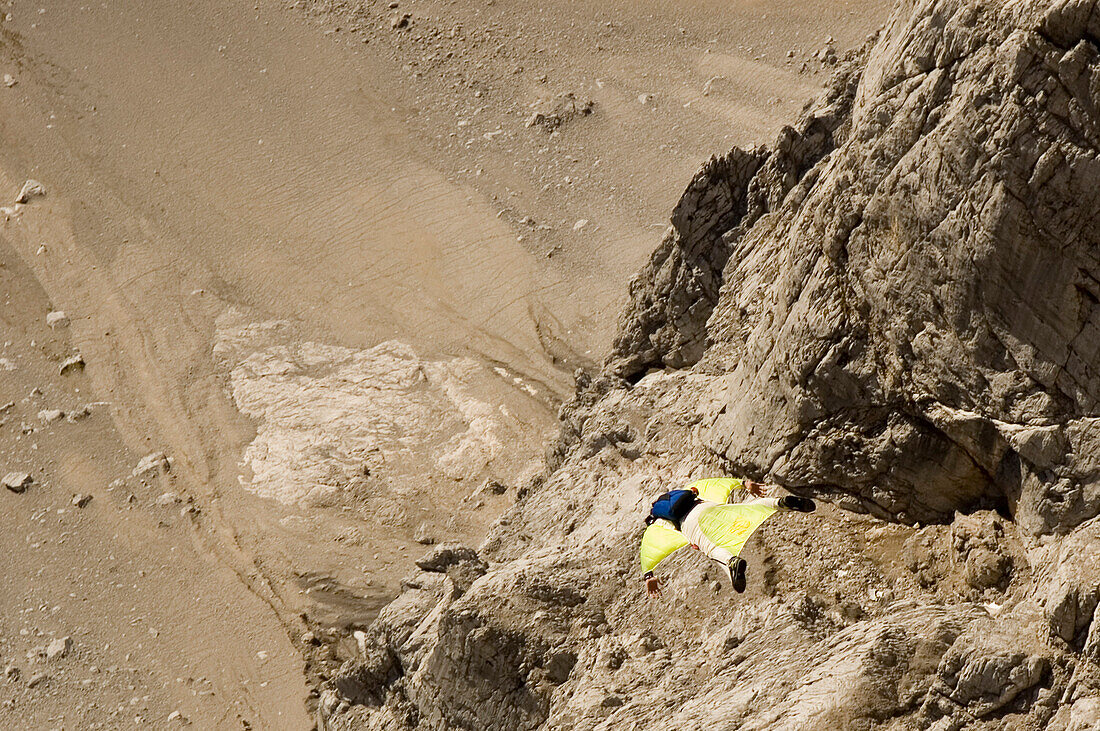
[(337, 423)]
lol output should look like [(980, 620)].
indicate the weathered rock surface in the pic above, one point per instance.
[(896, 309), (994, 664)]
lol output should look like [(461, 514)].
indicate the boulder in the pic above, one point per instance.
[(152, 465), (446, 555), (51, 415), (59, 648), (424, 535), (17, 481), (72, 364), (30, 189)]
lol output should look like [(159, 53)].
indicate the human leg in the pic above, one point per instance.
[(771, 502), (735, 565)]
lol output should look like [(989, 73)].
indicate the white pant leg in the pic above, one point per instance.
[(771, 502), (690, 529), (721, 555)]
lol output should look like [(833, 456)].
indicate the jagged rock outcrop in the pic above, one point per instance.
[(675, 293), (896, 309)]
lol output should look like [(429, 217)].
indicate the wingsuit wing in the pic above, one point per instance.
[(730, 526), (659, 541), (717, 489)]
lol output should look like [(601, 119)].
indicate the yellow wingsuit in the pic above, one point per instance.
[(717, 529)]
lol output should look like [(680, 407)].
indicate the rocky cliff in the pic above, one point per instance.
[(893, 308)]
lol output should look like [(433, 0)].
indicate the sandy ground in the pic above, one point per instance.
[(343, 175)]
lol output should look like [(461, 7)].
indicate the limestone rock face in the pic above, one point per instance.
[(915, 326), (897, 309)]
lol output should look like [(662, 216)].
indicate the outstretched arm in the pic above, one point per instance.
[(659, 541)]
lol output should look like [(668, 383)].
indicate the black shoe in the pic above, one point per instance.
[(801, 504), (737, 574)]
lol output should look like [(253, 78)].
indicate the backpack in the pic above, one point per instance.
[(674, 506)]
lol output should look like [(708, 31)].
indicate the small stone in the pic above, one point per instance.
[(645, 98), (168, 498), (152, 464), (30, 189), (51, 415), (827, 55), (36, 679), (9, 81), (82, 413), (11, 672), (442, 557), (580, 224), (176, 716), (423, 535), (59, 648), (17, 481), (309, 638), (81, 501), (73, 363), (401, 21), (57, 318)]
